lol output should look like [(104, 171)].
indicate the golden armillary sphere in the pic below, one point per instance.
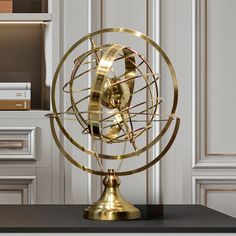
[(112, 109)]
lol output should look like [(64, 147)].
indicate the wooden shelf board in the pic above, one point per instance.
[(25, 17), (31, 114)]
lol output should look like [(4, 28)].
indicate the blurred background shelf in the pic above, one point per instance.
[(29, 53)]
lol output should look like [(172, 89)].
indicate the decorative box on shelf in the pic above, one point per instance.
[(6, 6)]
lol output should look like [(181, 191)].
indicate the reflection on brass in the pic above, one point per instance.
[(121, 105), (11, 143)]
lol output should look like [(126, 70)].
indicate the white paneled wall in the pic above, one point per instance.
[(199, 38), (79, 18)]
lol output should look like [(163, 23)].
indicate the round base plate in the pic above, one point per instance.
[(101, 211)]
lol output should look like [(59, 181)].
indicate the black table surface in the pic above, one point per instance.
[(69, 218)]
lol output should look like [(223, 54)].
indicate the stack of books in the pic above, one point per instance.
[(15, 96)]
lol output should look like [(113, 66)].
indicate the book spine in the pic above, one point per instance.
[(15, 104), (15, 86), (15, 94)]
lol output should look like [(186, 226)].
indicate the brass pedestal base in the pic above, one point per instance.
[(111, 205)]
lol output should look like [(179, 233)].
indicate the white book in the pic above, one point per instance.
[(15, 86), (15, 94)]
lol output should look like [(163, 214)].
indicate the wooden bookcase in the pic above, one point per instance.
[(30, 52)]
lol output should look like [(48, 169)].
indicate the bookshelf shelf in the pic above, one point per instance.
[(30, 114), (25, 17)]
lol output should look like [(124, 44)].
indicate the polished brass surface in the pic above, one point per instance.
[(112, 114), (111, 205)]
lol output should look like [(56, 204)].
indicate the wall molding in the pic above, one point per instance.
[(30, 155), (154, 31), (201, 158), (95, 22), (198, 181), (28, 193)]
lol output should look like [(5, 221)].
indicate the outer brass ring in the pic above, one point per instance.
[(123, 173), (173, 110)]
